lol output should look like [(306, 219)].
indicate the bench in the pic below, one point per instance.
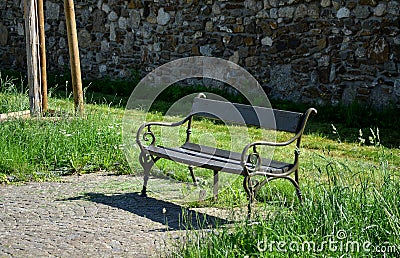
[(248, 163)]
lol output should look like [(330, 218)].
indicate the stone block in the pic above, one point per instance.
[(122, 23), (209, 26), (286, 12), (326, 3), (84, 38), (273, 13), (104, 46), (216, 9), (20, 29), (343, 12), (113, 35), (98, 21), (238, 28), (380, 9), (251, 61), (52, 11), (378, 51), (183, 48), (301, 11), (195, 51), (3, 35), (151, 19), (253, 5), (362, 11), (368, 2), (363, 91), (112, 16), (235, 57), (393, 8), (249, 41), (62, 43), (396, 87), (267, 41), (323, 74), (313, 11), (134, 18)]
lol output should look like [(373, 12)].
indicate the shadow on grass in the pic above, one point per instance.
[(173, 216)]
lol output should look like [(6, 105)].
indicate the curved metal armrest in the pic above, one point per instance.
[(244, 156), (148, 124)]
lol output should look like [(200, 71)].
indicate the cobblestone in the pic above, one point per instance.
[(93, 215)]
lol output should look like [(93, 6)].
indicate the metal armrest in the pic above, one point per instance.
[(244, 156), (150, 133)]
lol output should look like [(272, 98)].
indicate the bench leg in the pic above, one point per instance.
[(193, 176), (215, 190), (250, 194), (147, 163), (297, 185)]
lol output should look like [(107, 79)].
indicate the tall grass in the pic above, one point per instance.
[(12, 95), (44, 148), (38, 149), (350, 209)]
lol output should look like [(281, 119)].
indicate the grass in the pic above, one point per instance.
[(38, 149), (350, 182), (350, 201), (12, 97), (43, 149)]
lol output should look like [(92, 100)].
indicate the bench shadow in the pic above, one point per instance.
[(173, 216)]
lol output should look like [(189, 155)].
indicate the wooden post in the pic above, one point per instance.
[(43, 61), (32, 52), (74, 56)]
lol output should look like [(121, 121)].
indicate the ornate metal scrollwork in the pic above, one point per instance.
[(150, 134), (253, 162), (145, 160)]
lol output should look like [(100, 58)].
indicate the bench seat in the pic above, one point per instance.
[(213, 158)]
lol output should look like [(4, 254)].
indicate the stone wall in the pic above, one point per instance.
[(328, 51)]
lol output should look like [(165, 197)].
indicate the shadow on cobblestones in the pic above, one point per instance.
[(95, 215), (173, 216)]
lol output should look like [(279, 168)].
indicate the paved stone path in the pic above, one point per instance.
[(93, 215)]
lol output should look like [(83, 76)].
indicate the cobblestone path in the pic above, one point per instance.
[(93, 215)]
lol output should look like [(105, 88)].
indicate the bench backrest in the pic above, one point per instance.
[(245, 114)]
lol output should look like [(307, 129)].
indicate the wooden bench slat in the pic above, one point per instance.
[(234, 156), (209, 161), (181, 157), (247, 115)]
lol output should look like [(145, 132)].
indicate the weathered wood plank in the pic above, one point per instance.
[(32, 53), (244, 114), (209, 161), (43, 61), (74, 56), (233, 157)]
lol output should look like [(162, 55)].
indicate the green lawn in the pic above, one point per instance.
[(351, 183)]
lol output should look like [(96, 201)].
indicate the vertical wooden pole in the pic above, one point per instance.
[(32, 52), (74, 56), (43, 65)]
